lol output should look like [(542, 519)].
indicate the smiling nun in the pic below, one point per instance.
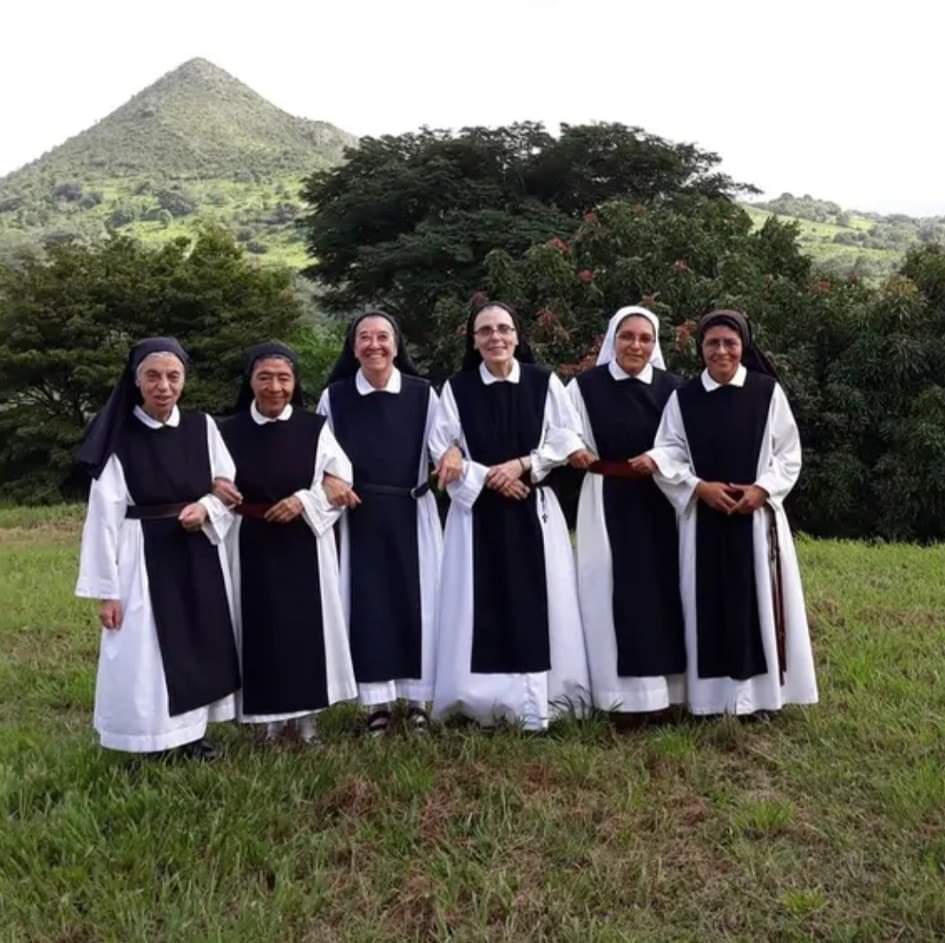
[(627, 549), (391, 539), (153, 554), (509, 644), (728, 454)]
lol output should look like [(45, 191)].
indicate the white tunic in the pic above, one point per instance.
[(430, 553), (527, 698), (595, 572), (131, 703), (320, 517), (779, 464)]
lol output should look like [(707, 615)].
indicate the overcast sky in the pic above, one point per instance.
[(841, 100)]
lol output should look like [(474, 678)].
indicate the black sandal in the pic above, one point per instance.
[(418, 720), (377, 723)]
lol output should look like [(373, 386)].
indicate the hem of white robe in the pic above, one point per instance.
[(217, 712), (528, 721), (386, 692), (702, 710), (639, 695), (279, 718)]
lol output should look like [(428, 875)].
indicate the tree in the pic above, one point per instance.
[(409, 220), (66, 324)]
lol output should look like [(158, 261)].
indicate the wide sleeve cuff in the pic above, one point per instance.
[(219, 519), (466, 489)]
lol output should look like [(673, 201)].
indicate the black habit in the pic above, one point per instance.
[(282, 630), (383, 435), (164, 467), (641, 524), (502, 421), (725, 430)]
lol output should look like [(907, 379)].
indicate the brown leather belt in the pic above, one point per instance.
[(612, 469), (153, 512)]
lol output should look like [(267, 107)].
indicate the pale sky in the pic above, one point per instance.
[(837, 99)]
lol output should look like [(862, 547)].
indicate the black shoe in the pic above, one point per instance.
[(377, 723), (203, 751), (418, 721)]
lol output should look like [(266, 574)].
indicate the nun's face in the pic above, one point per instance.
[(160, 379), (722, 352), (495, 337), (634, 343), (375, 345), (272, 383)]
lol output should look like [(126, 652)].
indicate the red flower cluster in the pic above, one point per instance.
[(559, 244), (684, 334)]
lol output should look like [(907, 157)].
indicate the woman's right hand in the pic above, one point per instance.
[(110, 614), (718, 495), (339, 493)]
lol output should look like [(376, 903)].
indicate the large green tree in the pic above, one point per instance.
[(864, 367), (409, 220), (66, 324)]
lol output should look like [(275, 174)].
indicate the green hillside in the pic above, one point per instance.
[(849, 241), (197, 145)]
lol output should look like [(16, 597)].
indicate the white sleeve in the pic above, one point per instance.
[(446, 430), (560, 434), (784, 465), (98, 558), (432, 409), (675, 476), (219, 516), (330, 458), (580, 409), (324, 406)]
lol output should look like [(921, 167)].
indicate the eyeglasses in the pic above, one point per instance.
[(644, 340), (503, 330), (722, 343)]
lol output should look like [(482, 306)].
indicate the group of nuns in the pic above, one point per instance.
[(287, 560)]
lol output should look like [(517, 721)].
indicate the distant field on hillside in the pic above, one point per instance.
[(819, 824)]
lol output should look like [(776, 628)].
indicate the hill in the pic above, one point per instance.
[(849, 241), (196, 144)]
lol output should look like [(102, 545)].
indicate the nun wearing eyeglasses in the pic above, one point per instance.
[(391, 539), (509, 644), (727, 453), (153, 555), (291, 626), (627, 549)]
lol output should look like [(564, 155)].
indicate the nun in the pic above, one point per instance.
[(728, 453), (627, 550), (391, 539), (289, 618), (153, 555), (509, 645)]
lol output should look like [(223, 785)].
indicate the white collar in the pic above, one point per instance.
[(489, 378), (618, 372), (737, 380), (173, 420), (261, 420), (363, 385)]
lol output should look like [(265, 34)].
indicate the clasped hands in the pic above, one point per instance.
[(282, 512), (728, 498)]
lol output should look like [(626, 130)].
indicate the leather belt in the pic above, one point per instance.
[(153, 512)]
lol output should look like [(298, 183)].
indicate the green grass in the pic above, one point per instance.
[(820, 824)]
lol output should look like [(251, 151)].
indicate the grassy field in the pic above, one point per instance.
[(821, 824)]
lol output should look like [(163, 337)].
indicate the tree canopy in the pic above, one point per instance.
[(66, 324), (410, 219)]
